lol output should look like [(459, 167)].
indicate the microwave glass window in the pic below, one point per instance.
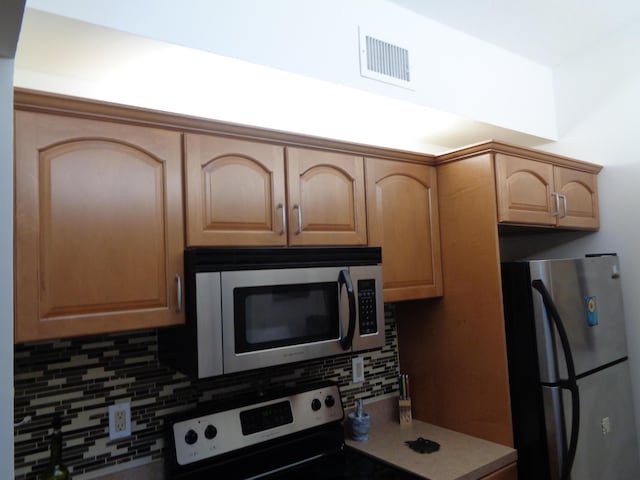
[(279, 315)]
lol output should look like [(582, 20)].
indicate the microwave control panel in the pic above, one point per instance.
[(367, 314)]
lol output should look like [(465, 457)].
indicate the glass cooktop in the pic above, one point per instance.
[(349, 465)]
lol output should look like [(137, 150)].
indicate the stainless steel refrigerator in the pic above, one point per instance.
[(569, 377)]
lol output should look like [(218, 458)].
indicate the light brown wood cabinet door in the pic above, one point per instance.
[(98, 227), (235, 192), (524, 190), (580, 202), (538, 193), (326, 201), (402, 218)]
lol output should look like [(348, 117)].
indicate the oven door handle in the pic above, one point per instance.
[(345, 279)]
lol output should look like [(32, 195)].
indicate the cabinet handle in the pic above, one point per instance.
[(283, 219), (179, 285), (564, 206), (556, 213), (299, 209)]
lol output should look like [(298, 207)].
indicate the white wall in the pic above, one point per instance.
[(598, 100), (453, 72), (6, 268)]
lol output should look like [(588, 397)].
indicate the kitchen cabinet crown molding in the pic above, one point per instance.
[(45, 102), (494, 147)]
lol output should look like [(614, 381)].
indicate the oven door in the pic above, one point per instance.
[(271, 317)]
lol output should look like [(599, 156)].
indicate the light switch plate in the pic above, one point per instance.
[(357, 369)]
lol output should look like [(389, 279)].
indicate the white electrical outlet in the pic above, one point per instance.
[(119, 420), (357, 369)]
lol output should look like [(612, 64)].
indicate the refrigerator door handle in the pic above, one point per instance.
[(575, 427), (570, 383)]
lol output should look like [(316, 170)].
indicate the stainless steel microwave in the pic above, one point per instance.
[(250, 308)]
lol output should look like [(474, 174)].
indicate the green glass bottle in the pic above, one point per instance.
[(56, 470)]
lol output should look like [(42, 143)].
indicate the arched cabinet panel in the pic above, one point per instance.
[(402, 218), (581, 192), (524, 190), (326, 201), (98, 227), (234, 192)]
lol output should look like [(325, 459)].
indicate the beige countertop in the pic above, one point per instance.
[(461, 457)]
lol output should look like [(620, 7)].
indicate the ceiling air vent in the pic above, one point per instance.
[(384, 61)]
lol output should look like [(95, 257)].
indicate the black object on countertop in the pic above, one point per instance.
[(422, 445)]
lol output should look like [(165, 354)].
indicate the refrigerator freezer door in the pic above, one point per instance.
[(588, 297), (607, 445)]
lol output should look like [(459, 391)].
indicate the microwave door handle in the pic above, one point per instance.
[(345, 279)]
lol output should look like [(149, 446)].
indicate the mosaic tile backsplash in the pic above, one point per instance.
[(79, 378)]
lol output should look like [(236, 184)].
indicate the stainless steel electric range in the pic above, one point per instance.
[(294, 434)]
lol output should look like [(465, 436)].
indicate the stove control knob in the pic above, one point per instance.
[(191, 437), (316, 405), (329, 401), (210, 432)]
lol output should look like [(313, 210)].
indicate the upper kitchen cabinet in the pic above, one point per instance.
[(402, 218), (524, 191), (98, 227), (461, 337), (454, 349), (578, 193), (236, 191), (326, 198), (534, 192)]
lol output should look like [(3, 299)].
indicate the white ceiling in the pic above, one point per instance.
[(545, 31)]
